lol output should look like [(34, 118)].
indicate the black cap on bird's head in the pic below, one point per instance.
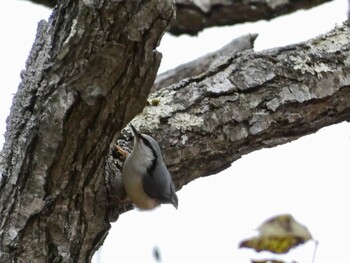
[(146, 141), (136, 132)]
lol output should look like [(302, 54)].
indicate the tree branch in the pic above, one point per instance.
[(202, 64), (246, 102), (192, 16)]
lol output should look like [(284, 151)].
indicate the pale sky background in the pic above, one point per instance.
[(308, 178)]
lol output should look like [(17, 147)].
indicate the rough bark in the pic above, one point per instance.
[(202, 64), (192, 16), (245, 102), (89, 72)]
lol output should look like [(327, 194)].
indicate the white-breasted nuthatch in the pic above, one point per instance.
[(146, 179)]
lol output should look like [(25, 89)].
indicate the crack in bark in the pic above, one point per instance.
[(75, 119)]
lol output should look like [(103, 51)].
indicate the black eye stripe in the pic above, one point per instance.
[(152, 167)]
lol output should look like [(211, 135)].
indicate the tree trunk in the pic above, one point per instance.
[(89, 73)]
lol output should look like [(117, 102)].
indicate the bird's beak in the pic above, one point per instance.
[(136, 132)]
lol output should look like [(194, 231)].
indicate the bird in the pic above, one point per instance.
[(146, 178)]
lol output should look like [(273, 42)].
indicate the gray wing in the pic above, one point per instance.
[(158, 184)]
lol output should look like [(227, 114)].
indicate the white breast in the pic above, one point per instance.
[(133, 180)]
